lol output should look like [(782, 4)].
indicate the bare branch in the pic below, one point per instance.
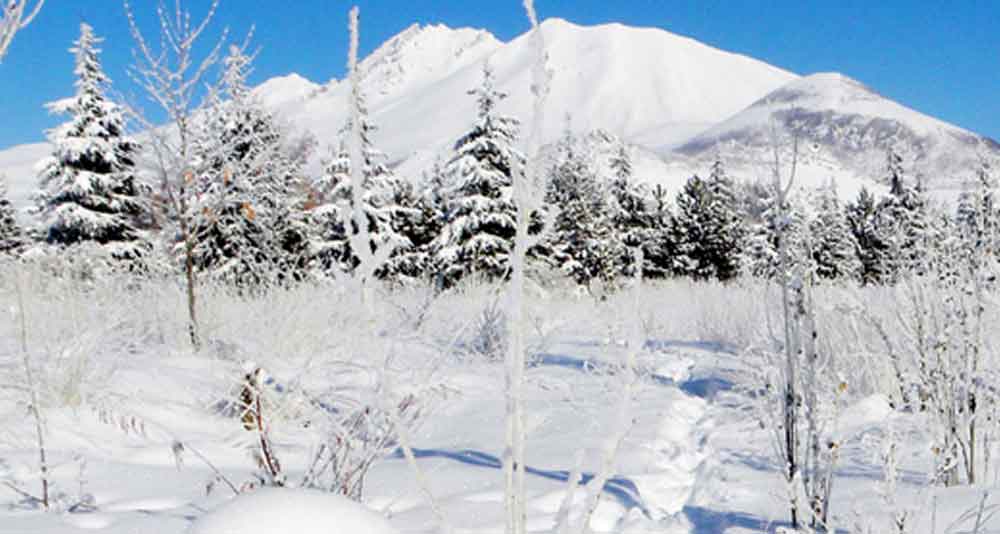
[(16, 16)]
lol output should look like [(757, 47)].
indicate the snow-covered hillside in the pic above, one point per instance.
[(17, 165), (849, 126)]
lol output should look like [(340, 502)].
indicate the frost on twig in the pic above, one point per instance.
[(15, 16)]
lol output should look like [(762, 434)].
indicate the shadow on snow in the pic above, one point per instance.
[(704, 388), (622, 489), (705, 521)]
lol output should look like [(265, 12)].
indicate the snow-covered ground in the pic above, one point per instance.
[(121, 393)]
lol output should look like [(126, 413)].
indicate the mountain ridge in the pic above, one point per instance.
[(854, 125)]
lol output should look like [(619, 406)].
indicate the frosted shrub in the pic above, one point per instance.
[(352, 441), (55, 353), (488, 334)]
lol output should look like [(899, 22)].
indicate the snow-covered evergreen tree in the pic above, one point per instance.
[(637, 221), (89, 192), (873, 251), (727, 237), (978, 211), (903, 221), (249, 188), (479, 229), (978, 224), (12, 237), (834, 247), (583, 242), (417, 218), (333, 218), (329, 214), (761, 256), (708, 227)]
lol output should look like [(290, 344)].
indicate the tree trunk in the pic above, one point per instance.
[(190, 276)]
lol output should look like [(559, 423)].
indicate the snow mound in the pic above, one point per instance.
[(865, 414), (272, 510)]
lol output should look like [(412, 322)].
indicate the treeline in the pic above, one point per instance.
[(250, 218)]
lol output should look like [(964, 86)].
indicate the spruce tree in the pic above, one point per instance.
[(708, 227), (12, 238), (330, 215), (873, 250), (251, 233), (978, 225), (726, 239), (761, 256), (417, 218), (89, 192), (834, 248), (903, 222), (638, 221), (583, 242), (691, 228), (478, 234), (334, 220)]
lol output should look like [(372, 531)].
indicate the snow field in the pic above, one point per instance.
[(695, 459)]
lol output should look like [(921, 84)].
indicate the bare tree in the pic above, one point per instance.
[(172, 78), (34, 402), (526, 193), (370, 256), (783, 187), (16, 15)]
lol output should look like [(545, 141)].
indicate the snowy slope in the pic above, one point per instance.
[(17, 166), (850, 127)]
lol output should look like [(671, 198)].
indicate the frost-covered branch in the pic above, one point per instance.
[(370, 255), (34, 407), (171, 77), (783, 186), (526, 199), (16, 16), (624, 417)]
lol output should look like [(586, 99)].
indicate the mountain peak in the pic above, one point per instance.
[(556, 23), (828, 89), (282, 90), (421, 52)]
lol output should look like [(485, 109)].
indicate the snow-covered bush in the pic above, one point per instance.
[(488, 335)]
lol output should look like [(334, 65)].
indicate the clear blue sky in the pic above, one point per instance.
[(940, 58)]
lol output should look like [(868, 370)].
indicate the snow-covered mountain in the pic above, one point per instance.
[(672, 97), (850, 127), (639, 84)]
